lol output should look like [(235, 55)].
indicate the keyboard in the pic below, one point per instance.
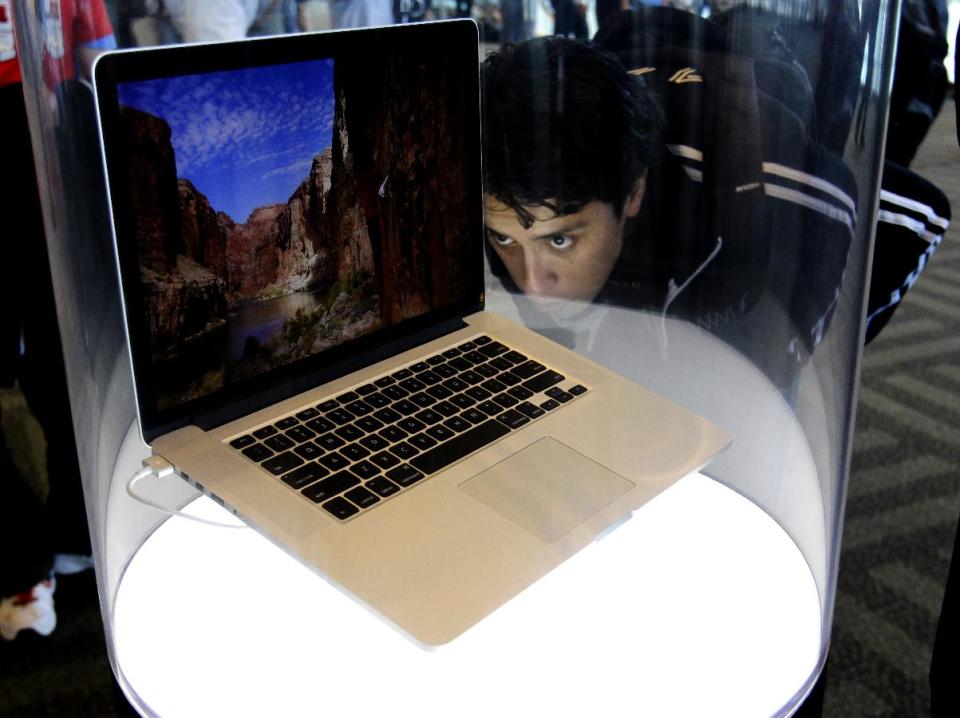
[(351, 452)]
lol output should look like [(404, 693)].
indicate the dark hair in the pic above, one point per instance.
[(564, 124)]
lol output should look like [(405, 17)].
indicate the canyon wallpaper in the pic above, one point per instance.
[(238, 279)]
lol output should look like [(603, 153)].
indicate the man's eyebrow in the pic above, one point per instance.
[(564, 223)]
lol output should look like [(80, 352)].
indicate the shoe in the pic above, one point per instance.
[(32, 609)]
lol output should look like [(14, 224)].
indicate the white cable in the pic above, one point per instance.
[(150, 471)]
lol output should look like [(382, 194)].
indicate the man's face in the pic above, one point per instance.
[(565, 256)]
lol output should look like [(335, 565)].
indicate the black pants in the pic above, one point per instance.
[(31, 531)]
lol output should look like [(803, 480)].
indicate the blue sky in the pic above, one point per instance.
[(245, 138)]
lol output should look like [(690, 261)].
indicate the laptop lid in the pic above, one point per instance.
[(289, 209)]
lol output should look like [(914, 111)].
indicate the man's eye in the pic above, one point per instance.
[(500, 240), (561, 242)]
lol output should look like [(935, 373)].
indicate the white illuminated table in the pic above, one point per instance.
[(699, 605)]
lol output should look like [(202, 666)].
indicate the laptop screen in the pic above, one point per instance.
[(285, 207)]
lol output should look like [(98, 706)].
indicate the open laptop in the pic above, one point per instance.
[(299, 234)]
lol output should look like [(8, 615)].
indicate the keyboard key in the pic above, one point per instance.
[(439, 392), (328, 405), (460, 364), (264, 431), (423, 442), (393, 433), (505, 400), (456, 385), (485, 370), (514, 357), (279, 442), (411, 425), (494, 386), (446, 409), (435, 359), (355, 452), (349, 432), (467, 347), (387, 416), (513, 419), (362, 497), (347, 397), (308, 451), (428, 377), (385, 460), (528, 369), (384, 381), (444, 371), (406, 407), (366, 389), (412, 385), (377, 401), (577, 390), (457, 424), (340, 508), (402, 374), (334, 462), (286, 423), (305, 475), (257, 452), (463, 401), (509, 378), (242, 441), (330, 442), (440, 432), (306, 414), (330, 486), (369, 424), (282, 463), (395, 393), (459, 446), (428, 416), (550, 405), (340, 417), (405, 475), (382, 487), (359, 408), (501, 364), (520, 393), (474, 416), (482, 339), (554, 393), (451, 353), (364, 469), (478, 393), (300, 434), (490, 408), (321, 425), (475, 357), (531, 410), (423, 399), (419, 367), (471, 377), (403, 450), (374, 442), (493, 349), (543, 381)]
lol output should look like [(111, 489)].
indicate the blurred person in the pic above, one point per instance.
[(39, 539), (361, 13)]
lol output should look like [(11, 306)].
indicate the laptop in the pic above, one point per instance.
[(299, 236)]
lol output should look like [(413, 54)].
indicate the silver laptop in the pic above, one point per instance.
[(298, 228)]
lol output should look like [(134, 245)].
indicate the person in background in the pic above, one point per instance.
[(38, 539)]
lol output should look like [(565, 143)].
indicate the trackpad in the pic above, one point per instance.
[(547, 488)]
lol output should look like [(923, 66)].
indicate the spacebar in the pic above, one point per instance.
[(459, 446)]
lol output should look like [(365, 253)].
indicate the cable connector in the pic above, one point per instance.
[(159, 466)]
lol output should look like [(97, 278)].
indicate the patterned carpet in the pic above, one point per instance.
[(902, 509), (904, 494)]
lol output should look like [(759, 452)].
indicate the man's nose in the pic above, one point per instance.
[(539, 276)]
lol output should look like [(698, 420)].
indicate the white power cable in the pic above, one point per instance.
[(159, 470)]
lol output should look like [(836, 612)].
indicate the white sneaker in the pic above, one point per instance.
[(32, 609)]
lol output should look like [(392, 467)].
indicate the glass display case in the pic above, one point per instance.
[(681, 195)]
